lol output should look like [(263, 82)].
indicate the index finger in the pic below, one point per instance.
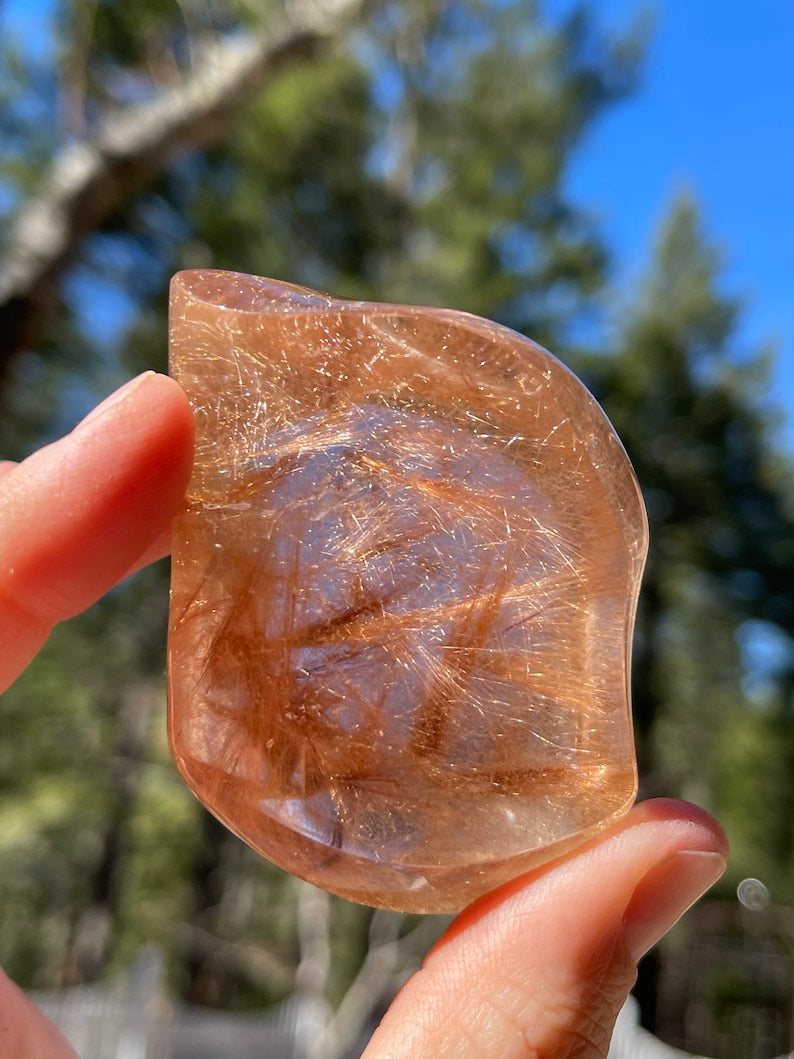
[(78, 515)]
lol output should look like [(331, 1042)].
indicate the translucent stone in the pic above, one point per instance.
[(404, 584)]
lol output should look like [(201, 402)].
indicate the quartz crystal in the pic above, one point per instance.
[(404, 584)]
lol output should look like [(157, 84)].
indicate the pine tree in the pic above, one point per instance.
[(713, 658)]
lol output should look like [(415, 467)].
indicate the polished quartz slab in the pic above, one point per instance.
[(404, 583)]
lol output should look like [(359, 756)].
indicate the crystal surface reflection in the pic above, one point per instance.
[(404, 584)]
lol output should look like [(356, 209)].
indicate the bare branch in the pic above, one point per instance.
[(88, 181), (311, 977), (389, 958), (257, 965)]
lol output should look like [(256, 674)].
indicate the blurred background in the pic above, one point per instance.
[(613, 180)]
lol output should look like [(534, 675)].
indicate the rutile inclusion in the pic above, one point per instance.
[(403, 591)]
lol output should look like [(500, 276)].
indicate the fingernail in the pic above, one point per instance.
[(665, 893), (116, 398)]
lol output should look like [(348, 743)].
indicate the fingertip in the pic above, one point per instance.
[(126, 472), (561, 942), (77, 516), (692, 823), (631, 857), (152, 415), (664, 893), (677, 823)]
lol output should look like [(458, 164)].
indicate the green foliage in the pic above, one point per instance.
[(422, 159), (309, 211), (689, 407)]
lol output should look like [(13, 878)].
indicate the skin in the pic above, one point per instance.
[(536, 970)]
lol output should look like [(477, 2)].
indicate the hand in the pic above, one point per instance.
[(540, 968)]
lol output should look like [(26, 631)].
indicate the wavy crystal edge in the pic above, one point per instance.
[(292, 388)]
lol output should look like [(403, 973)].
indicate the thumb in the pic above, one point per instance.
[(541, 967), (24, 1032)]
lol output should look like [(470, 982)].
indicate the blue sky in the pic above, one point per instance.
[(714, 114)]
